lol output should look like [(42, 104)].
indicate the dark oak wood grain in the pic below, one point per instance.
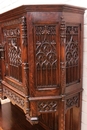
[(41, 63)]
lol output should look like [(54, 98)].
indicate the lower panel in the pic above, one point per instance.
[(49, 121), (72, 119)]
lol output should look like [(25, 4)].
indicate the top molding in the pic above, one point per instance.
[(42, 8)]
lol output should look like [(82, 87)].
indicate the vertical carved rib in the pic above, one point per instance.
[(62, 117), (26, 70), (62, 73), (24, 31), (62, 55), (25, 65), (1, 66)]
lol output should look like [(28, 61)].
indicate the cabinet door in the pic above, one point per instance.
[(73, 56), (15, 81), (13, 66), (44, 53)]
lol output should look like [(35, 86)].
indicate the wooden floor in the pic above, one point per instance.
[(12, 118)]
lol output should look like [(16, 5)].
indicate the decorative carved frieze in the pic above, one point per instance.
[(47, 106), (13, 22), (72, 101), (11, 32), (14, 97)]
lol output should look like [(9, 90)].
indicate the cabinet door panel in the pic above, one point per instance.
[(46, 62), (13, 60)]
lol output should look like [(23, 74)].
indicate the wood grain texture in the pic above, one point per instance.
[(41, 57)]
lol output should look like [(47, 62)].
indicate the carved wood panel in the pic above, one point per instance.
[(13, 61), (46, 55), (72, 101), (72, 54), (14, 97), (47, 106)]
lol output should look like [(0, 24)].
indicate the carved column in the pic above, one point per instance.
[(62, 73), (25, 66), (1, 66)]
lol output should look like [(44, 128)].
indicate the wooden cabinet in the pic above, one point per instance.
[(42, 63)]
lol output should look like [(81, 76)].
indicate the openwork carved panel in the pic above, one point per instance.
[(15, 98), (11, 32), (46, 55), (47, 106), (72, 101), (13, 52), (72, 54)]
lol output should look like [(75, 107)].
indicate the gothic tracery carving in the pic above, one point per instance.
[(72, 101), (72, 53), (14, 97), (47, 106), (72, 46), (46, 55), (14, 52)]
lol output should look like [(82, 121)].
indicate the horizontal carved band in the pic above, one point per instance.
[(47, 106), (45, 98), (14, 97), (72, 101), (15, 21)]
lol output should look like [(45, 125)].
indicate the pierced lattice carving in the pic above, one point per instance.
[(12, 38), (47, 106), (72, 54), (46, 55), (72, 101), (11, 32), (14, 52), (72, 46), (15, 98)]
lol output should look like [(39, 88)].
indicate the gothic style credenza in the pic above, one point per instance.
[(41, 63)]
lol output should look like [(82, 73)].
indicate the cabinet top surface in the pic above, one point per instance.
[(42, 8)]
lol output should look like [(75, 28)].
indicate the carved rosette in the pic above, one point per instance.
[(63, 59)]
